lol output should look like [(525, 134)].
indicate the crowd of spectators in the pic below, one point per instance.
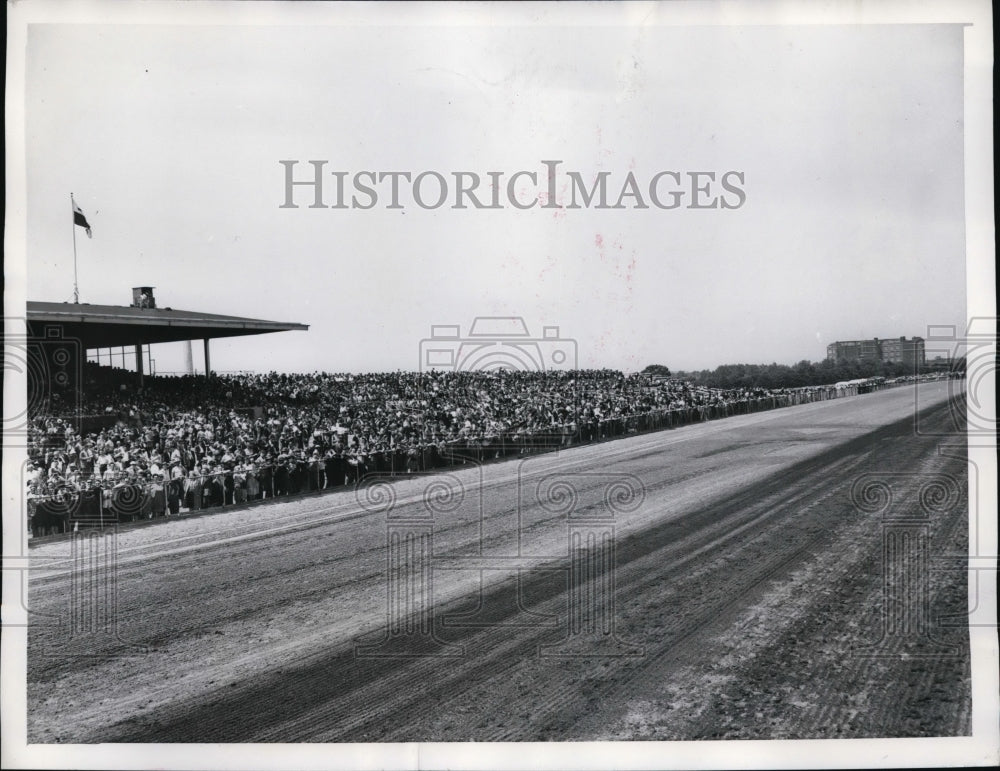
[(191, 442)]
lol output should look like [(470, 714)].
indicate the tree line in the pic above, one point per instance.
[(805, 373)]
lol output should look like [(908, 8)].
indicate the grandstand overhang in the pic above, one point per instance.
[(111, 326)]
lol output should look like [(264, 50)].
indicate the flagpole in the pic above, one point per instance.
[(76, 289)]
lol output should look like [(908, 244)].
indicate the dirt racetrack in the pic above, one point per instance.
[(778, 575)]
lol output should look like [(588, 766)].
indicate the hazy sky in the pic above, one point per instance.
[(850, 140)]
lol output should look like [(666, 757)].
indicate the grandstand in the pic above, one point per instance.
[(62, 335), (191, 443), (106, 445)]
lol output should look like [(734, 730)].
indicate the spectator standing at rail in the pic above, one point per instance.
[(252, 483), (316, 469), (193, 486), (175, 492), (265, 476), (316, 431)]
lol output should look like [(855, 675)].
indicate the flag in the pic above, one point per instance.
[(80, 219)]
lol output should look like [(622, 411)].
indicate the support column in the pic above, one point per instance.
[(208, 359), (139, 365)]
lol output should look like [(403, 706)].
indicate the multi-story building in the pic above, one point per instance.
[(903, 351), (894, 351), (854, 350)]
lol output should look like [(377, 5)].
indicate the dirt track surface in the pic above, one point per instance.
[(763, 585)]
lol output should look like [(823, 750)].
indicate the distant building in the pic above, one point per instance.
[(903, 351), (854, 350), (895, 351), (940, 363)]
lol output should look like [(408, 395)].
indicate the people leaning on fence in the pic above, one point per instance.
[(188, 443)]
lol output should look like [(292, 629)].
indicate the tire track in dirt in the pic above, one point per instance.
[(692, 572), (812, 650), (335, 698), (556, 699)]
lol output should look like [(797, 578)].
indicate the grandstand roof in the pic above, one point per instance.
[(109, 326)]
